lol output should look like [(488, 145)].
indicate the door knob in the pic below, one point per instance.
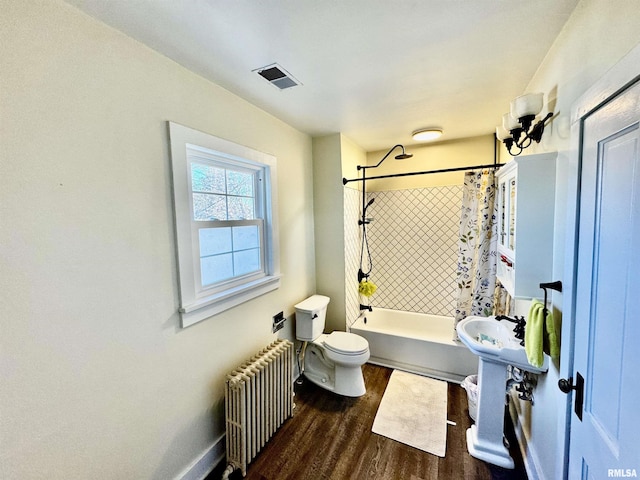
[(566, 385)]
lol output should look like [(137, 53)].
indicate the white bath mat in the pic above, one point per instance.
[(413, 411)]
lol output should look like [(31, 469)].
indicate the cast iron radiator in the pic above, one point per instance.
[(258, 399)]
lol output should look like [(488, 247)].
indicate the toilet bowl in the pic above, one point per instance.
[(333, 361)]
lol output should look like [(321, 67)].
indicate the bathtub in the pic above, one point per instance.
[(415, 342)]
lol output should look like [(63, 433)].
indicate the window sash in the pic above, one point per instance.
[(235, 280), (208, 159), (257, 173)]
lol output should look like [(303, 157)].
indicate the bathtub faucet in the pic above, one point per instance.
[(366, 307)]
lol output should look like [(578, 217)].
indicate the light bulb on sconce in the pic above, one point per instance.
[(517, 130)]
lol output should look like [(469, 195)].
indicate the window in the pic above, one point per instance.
[(226, 228)]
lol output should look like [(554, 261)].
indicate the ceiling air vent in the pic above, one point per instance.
[(277, 76)]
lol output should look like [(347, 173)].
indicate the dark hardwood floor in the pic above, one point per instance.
[(329, 438)]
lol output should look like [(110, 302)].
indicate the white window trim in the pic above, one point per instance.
[(193, 306)]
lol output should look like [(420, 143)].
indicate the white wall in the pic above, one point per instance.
[(334, 157), (598, 34), (98, 380), (329, 231)]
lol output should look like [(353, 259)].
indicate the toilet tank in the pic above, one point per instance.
[(310, 317)]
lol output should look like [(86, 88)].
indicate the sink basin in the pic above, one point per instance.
[(495, 341)]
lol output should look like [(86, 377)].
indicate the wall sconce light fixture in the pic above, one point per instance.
[(518, 130)]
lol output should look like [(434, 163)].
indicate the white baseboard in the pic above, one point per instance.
[(529, 457), (205, 464)]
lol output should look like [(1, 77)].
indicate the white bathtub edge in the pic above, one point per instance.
[(437, 374)]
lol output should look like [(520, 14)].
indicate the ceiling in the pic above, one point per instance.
[(374, 70)]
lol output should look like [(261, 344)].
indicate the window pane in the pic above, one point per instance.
[(239, 183), (241, 208), (246, 261), (214, 241), (216, 269), (207, 206), (246, 237), (205, 178)]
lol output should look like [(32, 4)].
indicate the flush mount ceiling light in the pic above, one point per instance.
[(517, 131), (427, 134), (278, 76)]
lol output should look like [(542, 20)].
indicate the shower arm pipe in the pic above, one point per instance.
[(426, 172), (362, 167)]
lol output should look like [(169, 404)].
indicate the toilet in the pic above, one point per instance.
[(333, 361)]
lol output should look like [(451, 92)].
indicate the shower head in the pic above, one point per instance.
[(365, 220), (403, 155)]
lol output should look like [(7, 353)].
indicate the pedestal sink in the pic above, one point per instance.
[(496, 346)]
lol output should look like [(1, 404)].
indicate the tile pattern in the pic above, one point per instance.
[(413, 240), (352, 205)]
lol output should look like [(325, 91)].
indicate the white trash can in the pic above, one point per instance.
[(470, 384)]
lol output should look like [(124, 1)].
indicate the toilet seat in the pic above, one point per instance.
[(344, 343)]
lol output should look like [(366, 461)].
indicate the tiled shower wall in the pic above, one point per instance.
[(352, 203), (413, 241)]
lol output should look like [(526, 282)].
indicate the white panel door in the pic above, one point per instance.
[(604, 441)]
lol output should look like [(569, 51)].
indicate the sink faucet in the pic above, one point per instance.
[(366, 307), (518, 329)]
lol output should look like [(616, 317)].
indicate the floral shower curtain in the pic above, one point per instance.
[(477, 245)]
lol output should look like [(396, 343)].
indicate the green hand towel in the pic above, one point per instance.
[(540, 335), (551, 343), (534, 333)]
